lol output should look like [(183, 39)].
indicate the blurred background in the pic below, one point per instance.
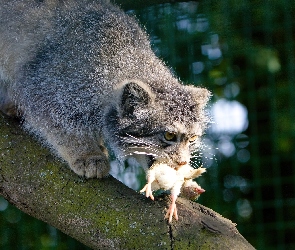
[(244, 52)]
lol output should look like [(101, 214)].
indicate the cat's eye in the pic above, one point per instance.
[(169, 136), (193, 138)]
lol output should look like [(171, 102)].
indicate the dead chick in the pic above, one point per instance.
[(161, 176), (187, 187), (191, 190)]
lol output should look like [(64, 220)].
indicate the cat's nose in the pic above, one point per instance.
[(181, 163)]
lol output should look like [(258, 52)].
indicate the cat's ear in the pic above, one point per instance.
[(200, 95), (134, 95)]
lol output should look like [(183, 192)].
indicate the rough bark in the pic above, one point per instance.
[(102, 214)]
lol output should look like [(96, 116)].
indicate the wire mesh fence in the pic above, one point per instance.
[(244, 52)]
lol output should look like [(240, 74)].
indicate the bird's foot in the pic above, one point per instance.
[(172, 210), (148, 191)]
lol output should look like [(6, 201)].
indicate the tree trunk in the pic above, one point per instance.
[(102, 214)]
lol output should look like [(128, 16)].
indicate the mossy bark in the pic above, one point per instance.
[(102, 214)]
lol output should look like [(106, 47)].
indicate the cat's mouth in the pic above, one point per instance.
[(151, 160)]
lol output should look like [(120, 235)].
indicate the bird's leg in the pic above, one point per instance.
[(148, 188), (172, 210)]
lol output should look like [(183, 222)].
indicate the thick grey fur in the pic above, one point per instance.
[(82, 74)]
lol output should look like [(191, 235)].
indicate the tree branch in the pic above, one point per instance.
[(102, 214)]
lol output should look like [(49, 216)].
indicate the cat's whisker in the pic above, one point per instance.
[(144, 153), (148, 143), (140, 146), (128, 141), (144, 150), (196, 156), (195, 164)]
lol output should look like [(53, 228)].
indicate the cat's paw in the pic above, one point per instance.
[(91, 166)]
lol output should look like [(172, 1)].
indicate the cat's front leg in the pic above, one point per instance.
[(91, 165), (85, 155)]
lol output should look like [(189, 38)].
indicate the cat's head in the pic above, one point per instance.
[(158, 123)]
